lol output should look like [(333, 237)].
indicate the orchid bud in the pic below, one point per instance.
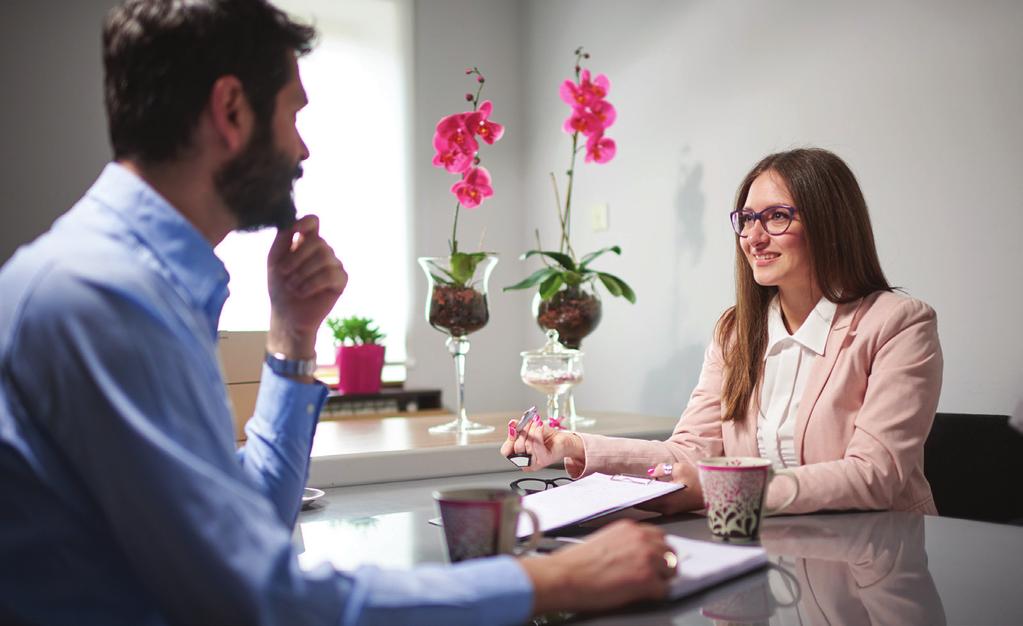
[(479, 79), (586, 55), (468, 97), (468, 70), (577, 68)]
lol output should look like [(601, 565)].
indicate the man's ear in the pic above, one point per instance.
[(230, 113)]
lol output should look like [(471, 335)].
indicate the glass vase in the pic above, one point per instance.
[(457, 309), (552, 370), (574, 311)]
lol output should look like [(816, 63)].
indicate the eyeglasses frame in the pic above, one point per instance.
[(549, 483), (759, 216)]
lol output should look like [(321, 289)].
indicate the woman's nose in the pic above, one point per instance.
[(757, 234)]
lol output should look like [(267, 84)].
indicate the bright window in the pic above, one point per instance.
[(356, 177)]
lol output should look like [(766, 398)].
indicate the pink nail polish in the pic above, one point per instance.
[(650, 472), (511, 431)]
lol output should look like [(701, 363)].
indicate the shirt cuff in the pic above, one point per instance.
[(286, 405), (491, 591)]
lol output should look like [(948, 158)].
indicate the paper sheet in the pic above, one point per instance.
[(703, 564), (589, 497)]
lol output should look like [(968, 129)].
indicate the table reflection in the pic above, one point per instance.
[(382, 540), (849, 569)]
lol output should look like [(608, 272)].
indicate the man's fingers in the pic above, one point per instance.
[(281, 244), (307, 262), (321, 282), (286, 241), (308, 226)]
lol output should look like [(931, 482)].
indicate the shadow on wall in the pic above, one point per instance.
[(669, 384)]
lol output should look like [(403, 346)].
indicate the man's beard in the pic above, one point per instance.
[(257, 185)]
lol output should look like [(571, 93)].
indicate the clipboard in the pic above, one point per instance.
[(588, 498)]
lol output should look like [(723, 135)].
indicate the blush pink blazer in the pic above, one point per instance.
[(861, 425)]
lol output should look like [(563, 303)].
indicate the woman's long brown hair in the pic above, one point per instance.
[(843, 258)]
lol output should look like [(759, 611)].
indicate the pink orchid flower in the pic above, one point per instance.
[(586, 93), (453, 160), (456, 148), (583, 122), (605, 112), (600, 149), (474, 188), (479, 124), (598, 89)]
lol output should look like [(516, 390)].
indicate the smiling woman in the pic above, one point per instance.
[(355, 127), (819, 366)]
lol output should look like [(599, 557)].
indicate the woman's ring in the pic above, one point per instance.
[(666, 468)]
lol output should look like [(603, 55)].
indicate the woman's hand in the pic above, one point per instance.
[(546, 443), (688, 499)]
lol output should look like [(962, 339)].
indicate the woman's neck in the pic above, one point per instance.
[(796, 306)]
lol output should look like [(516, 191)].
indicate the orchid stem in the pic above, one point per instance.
[(561, 218), (454, 229), (566, 222)]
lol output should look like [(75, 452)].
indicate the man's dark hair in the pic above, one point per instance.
[(161, 58)]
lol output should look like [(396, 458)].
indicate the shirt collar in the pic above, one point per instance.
[(813, 334), (173, 240)]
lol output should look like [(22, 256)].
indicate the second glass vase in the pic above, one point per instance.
[(456, 304)]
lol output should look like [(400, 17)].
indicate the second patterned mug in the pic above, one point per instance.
[(735, 492)]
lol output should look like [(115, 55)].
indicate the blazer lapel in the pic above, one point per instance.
[(840, 328)]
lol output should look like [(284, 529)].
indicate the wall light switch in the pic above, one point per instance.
[(599, 217)]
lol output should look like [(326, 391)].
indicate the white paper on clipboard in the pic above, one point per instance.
[(589, 497)]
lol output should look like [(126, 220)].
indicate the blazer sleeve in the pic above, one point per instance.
[(697, 434), (903, 385)]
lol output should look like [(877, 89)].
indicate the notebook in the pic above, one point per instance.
[(703, 564)]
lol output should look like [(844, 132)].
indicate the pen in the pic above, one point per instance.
[(529, 414), (523, 460)]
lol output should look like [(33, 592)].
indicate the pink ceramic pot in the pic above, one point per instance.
[(358, 368)]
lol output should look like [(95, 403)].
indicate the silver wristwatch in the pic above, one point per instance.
[(282, 365)]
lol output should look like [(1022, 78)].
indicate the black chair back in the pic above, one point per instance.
[(974, 464)]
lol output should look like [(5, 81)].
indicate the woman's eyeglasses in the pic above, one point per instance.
[(775, 219), (526, 486)]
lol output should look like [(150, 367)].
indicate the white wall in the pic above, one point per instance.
[(922, 99), (53, 128)]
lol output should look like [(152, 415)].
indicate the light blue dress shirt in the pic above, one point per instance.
[(122, 497)]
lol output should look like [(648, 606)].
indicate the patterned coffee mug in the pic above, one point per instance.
[(482, 522), (734, 492)]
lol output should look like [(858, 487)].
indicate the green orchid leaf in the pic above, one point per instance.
[(440, 279), (550, 286), (574, 279), (463, 266), (611, 285), (589, 257), (561, 259), (534, 278), (617, 287)]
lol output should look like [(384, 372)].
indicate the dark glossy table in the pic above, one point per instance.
[(853, 568)]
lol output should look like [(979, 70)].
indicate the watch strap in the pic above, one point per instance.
[(280, 364)]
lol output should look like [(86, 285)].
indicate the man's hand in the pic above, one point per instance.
[(621, 563), (304, 279)]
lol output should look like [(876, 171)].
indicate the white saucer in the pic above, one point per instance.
[(309, 494)]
